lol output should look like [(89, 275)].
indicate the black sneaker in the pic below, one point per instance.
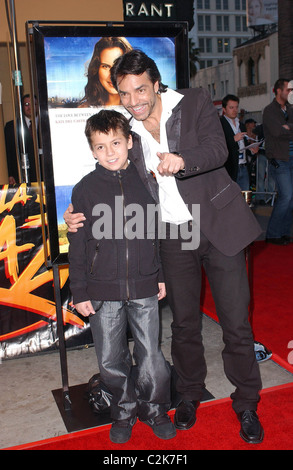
[(162, 426), (120, 431)]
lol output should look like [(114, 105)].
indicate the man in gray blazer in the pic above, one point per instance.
[(184, 148)]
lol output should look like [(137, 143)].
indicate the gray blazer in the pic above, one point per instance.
[(194, 131), (276, 136)]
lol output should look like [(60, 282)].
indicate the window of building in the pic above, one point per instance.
[(200, 22), (238, 23), (220, 44), (226, 23), (223, 45), (251, 72), (227, 45), (207, 23), (208, 45), (201, 44), (244, 24), (222, 5), (205, 44), (204, 23)]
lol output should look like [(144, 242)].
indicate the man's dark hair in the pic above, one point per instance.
[(136, 62), (280, 83), (104, 122), (229, 98)]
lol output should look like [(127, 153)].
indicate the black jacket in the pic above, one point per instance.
[(11, 153), (114, 267), (232, 162)]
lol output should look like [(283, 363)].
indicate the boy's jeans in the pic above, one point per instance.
[(281, 219), (148, 393)]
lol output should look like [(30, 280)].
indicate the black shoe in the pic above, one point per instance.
[(121, 431), (277, 241), (288, 239), (251, 430), (185, 415), (162, 426)]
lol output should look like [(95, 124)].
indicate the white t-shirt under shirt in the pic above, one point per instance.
[(173, 208), (241, 145)]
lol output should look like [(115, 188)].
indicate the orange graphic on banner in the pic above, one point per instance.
[(23, 285)]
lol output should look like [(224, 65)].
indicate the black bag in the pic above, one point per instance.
[(98, 395)]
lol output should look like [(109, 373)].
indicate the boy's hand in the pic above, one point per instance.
[(73, 221), (162, 291), (170, 163), (85, 308)]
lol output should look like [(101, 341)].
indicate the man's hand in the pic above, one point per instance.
[(162, 291), (239, 136), (73, 221), (85, 308), (170, 163)]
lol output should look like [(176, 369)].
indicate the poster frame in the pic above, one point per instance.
[(37, 32)]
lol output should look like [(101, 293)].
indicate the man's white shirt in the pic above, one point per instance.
[(173, 208)]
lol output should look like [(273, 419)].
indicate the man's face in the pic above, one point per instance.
[(138, 95), (231, 110), (282, 94), (27, 107)]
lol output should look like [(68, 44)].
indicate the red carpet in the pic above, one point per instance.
[(217, 428), (272, 299)]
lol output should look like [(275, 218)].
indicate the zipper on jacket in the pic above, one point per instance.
[(126, 239), (94, 258)]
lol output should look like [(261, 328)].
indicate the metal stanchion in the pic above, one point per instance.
[(261, 352)]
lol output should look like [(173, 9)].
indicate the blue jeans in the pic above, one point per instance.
[(243, 178), (146, 393), (281, 219)]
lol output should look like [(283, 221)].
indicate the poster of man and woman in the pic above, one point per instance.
[(79, 85)]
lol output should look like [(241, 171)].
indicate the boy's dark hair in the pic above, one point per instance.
[(229, 98), (136, 62), (104, 122)]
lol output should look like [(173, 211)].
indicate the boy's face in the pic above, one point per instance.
[(111, 150)]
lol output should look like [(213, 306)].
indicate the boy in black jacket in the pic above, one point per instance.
[(114, 279)]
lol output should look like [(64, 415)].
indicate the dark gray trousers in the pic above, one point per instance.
[(146, 393), (228, 279)]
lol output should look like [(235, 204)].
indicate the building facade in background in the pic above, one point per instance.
[(220, 26)]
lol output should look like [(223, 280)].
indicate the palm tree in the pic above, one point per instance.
[(193, 58)]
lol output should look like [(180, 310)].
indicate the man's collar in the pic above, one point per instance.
[(170, 99)]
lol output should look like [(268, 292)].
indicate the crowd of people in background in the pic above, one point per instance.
[(260, 156)]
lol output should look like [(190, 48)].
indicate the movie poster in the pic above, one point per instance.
[(261, 12), (70, 63)]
